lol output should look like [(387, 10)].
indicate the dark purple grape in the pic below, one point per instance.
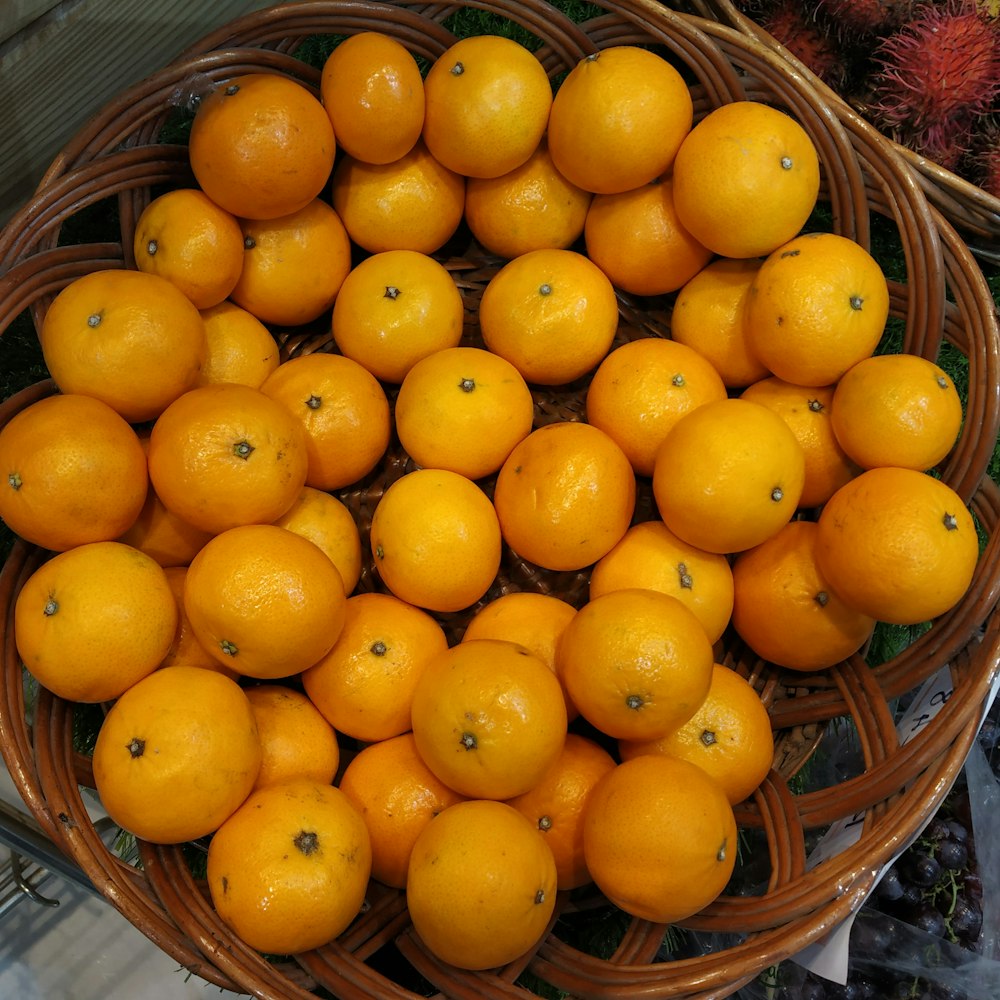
[(913, 894), (812, 989), (952, 855), (966, 919), (923, 869), (958, 831), (847, 991), (867, 988), (890, 888), (937, 829), (930, 920)]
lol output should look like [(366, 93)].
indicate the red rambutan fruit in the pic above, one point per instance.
[(788, 22), (941, 65), (856, 20), (984, 162)]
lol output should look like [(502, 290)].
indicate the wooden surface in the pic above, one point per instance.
[(60, 62)]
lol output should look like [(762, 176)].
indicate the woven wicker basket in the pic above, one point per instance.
[(970, 209), (777, 904)]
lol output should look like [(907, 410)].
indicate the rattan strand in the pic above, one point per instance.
[(118, 160)]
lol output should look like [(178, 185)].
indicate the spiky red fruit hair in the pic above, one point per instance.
[(802, 36), (856, 19), (942, 65)]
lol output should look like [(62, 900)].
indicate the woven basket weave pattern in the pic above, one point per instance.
[(114, 167)]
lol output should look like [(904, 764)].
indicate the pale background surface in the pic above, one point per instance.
[(61, 62)]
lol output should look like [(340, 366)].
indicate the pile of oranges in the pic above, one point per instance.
[(286, 679)]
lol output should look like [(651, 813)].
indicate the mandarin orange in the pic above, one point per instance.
[(487, 101), (488, 718), (463, 409), (636, 663), (133, 340), (176, 755), (618, 119), (73, 472), (289, 869), (746, 179), (436, 540), (264, 601), (373, 92), (565, 496), (364, 685), (481, 885), (637, 240), (728, 475), (89, 623), (397, 795), (343, 410), (897, 545), (261, 145), (659, 838)]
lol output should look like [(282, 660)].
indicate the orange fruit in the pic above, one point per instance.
[(532, 620), (373, 92), (813, 338), (293, 265), (784, 608), (364, 685), (532, 207), (808, 411), (295, 740), (264, 601), (226, 454), (73, 472), (414, 203), (552, 314), (481, 885), (618, 119), (897, 545), (397, 796), (636, 239), (652, 557), (488, 718), (327, 522), (641, 389), (708, 316), (463, 409), (394, 309), (565, 496), (556, 805), (636, 663), (240, 348), (746, 179), (160, 533), (436, 540), (729, 737), (896, 409), (487, 105), (186, 650), (176, 754), (288, 871), (132, 340), (343, 410), (183, 236), (728, 475), (659, 838), (261, 145), (92, 621)]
